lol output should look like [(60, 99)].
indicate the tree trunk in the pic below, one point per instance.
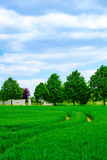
[(73, 103), (104, 101), (54, 104), (11, 102), (3, 102)]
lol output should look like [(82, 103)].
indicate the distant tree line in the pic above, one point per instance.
[(74, 90)]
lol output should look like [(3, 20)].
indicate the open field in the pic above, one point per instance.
[(47, 133)]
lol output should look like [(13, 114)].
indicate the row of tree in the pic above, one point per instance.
[(75, 89), (12, 90)]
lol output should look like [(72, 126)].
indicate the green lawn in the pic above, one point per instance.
[(42, 133)]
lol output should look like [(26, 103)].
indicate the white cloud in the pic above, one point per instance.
[(22, 37), (87, 74), (30, 63), (63, 67), (9, 18), (18, 39), (30, 84), (85, 35), (31, 58), (17, 69), (49, 26)]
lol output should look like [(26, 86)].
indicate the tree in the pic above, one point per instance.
[(95, 96), (76, 89), (26, 93), (2, 96), (98, 83), (41, 92), (54, 86), (11, 89), (32, 99)]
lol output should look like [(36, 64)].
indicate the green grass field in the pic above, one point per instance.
[(43, 133)]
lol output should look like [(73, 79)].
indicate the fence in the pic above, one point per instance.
[(19, 102)]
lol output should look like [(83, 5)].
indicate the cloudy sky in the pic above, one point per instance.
[(41, 37)]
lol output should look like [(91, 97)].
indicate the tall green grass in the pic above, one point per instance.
[(42, 133)]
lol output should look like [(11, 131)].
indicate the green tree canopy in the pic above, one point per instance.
[(11, 89), (98, 83), (3, 96), (54, 86), (76, 89), (41, 92)]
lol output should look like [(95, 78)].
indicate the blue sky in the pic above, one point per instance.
[(38, 38)]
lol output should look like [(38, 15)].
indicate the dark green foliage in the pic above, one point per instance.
[(95, 96), (41, 92), (11, 89), (54, 86), (76, 89), (98, 84), (3, 96)]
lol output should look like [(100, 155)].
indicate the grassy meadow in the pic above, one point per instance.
[(44, 133)]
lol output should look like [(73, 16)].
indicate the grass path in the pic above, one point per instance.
[(88, 119)]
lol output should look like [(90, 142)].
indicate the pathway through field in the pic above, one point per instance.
[(67, 118), (88, 119)]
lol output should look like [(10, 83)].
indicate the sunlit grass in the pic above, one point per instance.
[(41, 132)]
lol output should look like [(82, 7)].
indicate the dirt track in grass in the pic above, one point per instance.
[(88, 119), (67, 118)]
